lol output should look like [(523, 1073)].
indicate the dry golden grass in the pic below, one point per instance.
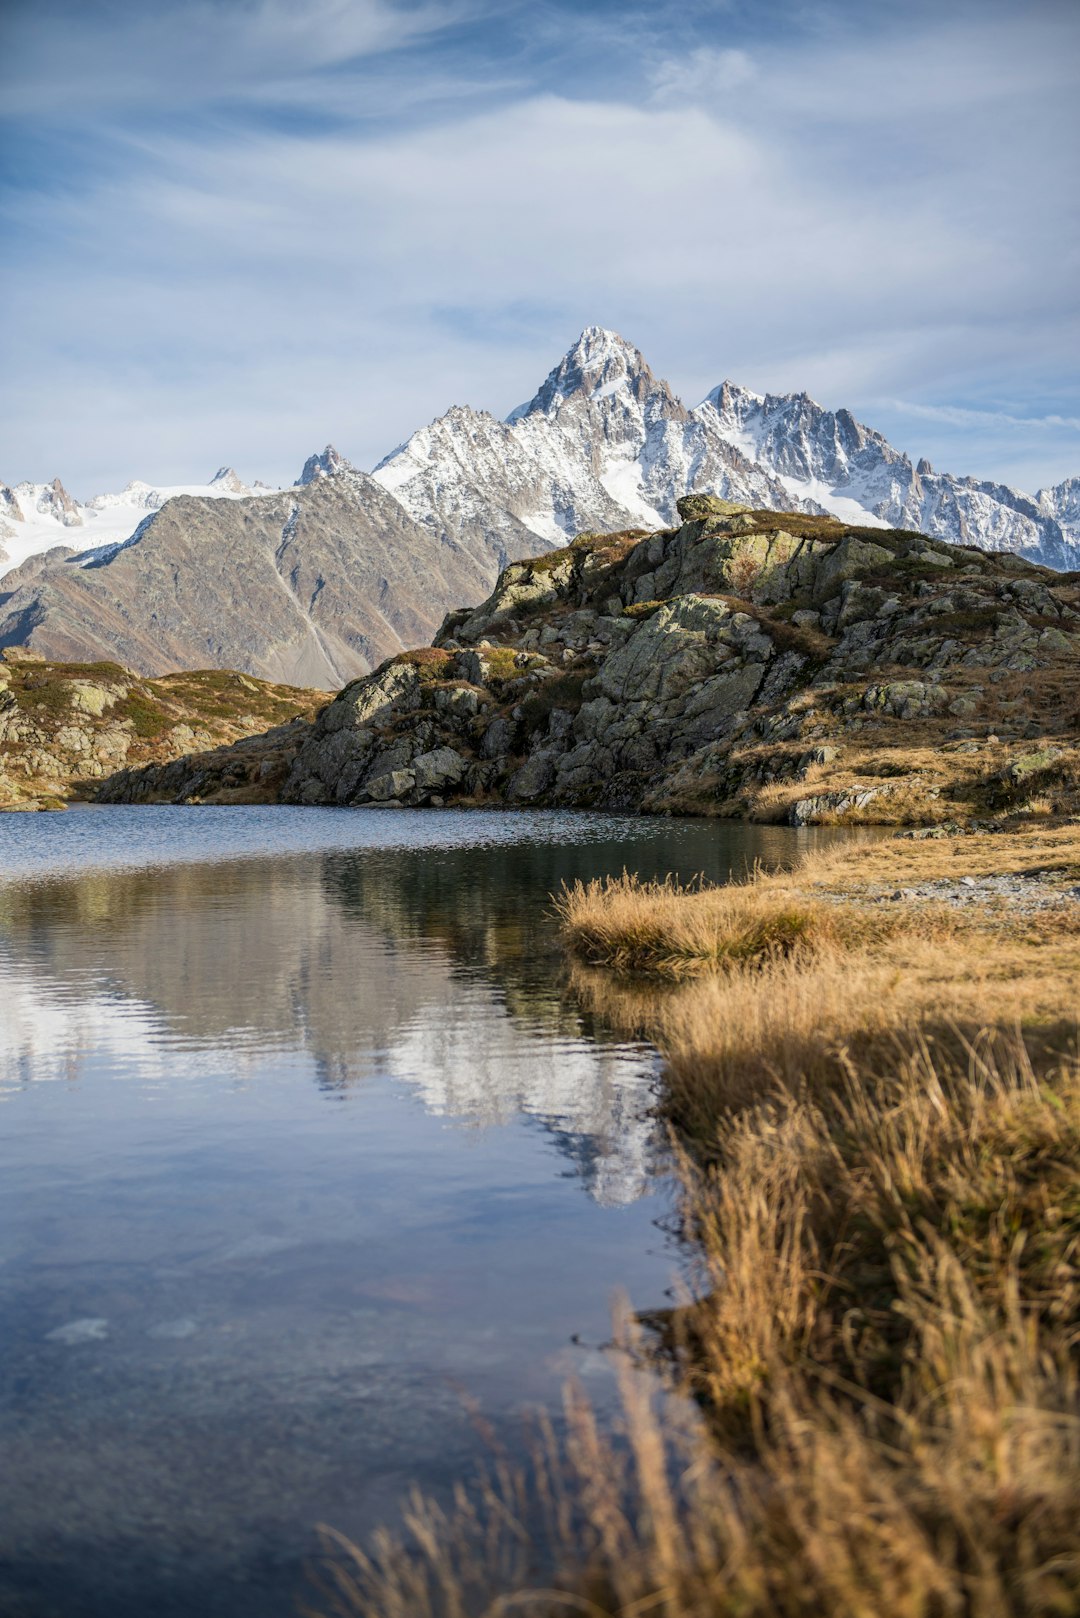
[(877, 1120), (883, 1363), (636, 926)]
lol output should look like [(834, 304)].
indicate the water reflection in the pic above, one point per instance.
[(437, 966), (247, 1271)]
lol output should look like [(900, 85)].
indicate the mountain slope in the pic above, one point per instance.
[(312, 586)]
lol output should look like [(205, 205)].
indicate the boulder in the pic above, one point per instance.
[(442, 767), (700, 507)]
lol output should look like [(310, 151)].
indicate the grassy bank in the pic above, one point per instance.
[(872, 1083)]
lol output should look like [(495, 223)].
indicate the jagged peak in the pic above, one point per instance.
[(325, 465), (727, 394), (598, 365), (55, 501), (226, 478)]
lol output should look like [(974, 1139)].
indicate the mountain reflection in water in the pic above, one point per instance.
[(247, 1271)]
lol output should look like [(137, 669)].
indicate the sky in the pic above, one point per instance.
[(236, 230)]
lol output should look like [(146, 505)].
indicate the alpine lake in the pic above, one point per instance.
[(315, 1175)]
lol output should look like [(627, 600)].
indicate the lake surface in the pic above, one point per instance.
[(305, 1149)]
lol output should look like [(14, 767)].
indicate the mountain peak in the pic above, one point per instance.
[(54, 501), (326, 465), (226, 478), (599, 365)]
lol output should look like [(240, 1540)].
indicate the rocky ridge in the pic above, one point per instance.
[(604, 443), (786, 668)]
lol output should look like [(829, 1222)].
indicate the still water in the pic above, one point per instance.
[(305, 1151)]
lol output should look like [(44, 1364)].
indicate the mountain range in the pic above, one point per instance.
[(317, 583)]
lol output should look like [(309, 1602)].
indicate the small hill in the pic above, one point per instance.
[(64, 727), (744, 663)]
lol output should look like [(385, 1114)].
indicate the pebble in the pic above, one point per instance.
[(1024, 894)]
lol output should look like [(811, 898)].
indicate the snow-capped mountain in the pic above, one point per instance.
[(37, 517), (857, 475), (605, 444)]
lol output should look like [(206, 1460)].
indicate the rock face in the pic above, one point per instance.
[(326, 465), (310, 586), (788, 667), (66, 727)]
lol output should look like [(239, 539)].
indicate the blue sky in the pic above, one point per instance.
[(235, 231)]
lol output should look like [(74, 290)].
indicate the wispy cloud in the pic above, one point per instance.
[(964, 416), (267, 225), (66, 59), (702, 75)]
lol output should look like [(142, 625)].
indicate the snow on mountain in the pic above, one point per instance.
[(603, 444), (1062, 503), (326, 465), (856, 474), (37, 517)]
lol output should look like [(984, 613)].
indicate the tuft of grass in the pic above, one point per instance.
[(430, 662), (636, 926), (149, 718), (883, 1413)]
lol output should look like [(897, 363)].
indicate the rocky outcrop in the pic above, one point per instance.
[(65, 728), (739, 663)]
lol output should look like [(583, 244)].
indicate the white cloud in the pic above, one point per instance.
[(190, 51), (963, 416)]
